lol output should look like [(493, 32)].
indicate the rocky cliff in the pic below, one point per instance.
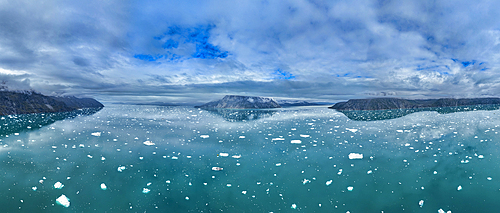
[(26, 102), (396, 103)]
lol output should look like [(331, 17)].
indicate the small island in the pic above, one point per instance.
[(241, 102)]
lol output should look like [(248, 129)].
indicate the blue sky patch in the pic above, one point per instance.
[(179, 43), (281, 74)]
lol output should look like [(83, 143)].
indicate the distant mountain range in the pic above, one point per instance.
[(241, 102), (396, 103), (26, 102)]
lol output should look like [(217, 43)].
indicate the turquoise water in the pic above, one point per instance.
[(289, 160)]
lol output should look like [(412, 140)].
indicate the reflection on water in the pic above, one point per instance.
[(374, 115), (25, 122), (235, 115)]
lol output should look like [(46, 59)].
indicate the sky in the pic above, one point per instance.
[(198, 51)]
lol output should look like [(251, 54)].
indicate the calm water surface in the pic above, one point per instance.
[(181, 159)]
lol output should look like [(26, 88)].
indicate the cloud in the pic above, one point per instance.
[(191, 50)]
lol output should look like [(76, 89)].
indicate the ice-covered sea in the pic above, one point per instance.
[(303, 159)]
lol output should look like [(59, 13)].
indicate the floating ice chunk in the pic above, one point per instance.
[(353, 156), (97, 134), (103, 186), (329, 182), (369, 172), (399, 130), (488, 178), (168, 181), (305, 181), (34, 188), (175, 157), (121, 168), (148, 143), (350, 188), (63, 201), (216, 168), (435, 172), (58, 185), (352, 130), (440, 211), (459, 188), (187, 198), (145, 190), (244, 192), (296, 141), (242, 136), (480, 156), (278, 139), (294, 206), (304, 136), (421, 203), (204, 136), (236, 156), (278, 164), (103, 158), (90, 156), (223, 154), (228, 185)]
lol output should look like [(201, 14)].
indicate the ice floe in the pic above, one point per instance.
[(421, 203), (121, 168), (350, 188), (58, 185), (223, 154), (353, 156), (145, 190), (204, 136), (103, 186), (63, 201), (216, 168), (329, 182), (97, 134), (296, 141), (148, 143)]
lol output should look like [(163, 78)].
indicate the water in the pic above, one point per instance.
[(167, 159)]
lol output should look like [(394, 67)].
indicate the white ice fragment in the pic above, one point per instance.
[(145, 190), (488, 178), (421, 203), (187, 198), (40, 181), (350, 188), (223, 154), (296, 141), (236, 156), (399, 130), (168, 181), (277, 139), (103, 186), (435, 172), (278, 164), (305, 181), (34, 188), (63, 201), (90, 156), (440, 211), (353, 156), (329, 182), (480, 156), (97, 134), (369, 172), (304, 136), (228, 185), (242, 136), (294, 206), (352, 130), (175, 157), (58, 185), (204, 136), (148, 143), (459, 188), (121, 168), (244, 192), (216, 168)]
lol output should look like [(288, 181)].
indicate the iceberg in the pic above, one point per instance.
[(354, 156), (63, 201)]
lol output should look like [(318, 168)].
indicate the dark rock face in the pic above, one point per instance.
[(241, 102), (31, 102), (396, 103)]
